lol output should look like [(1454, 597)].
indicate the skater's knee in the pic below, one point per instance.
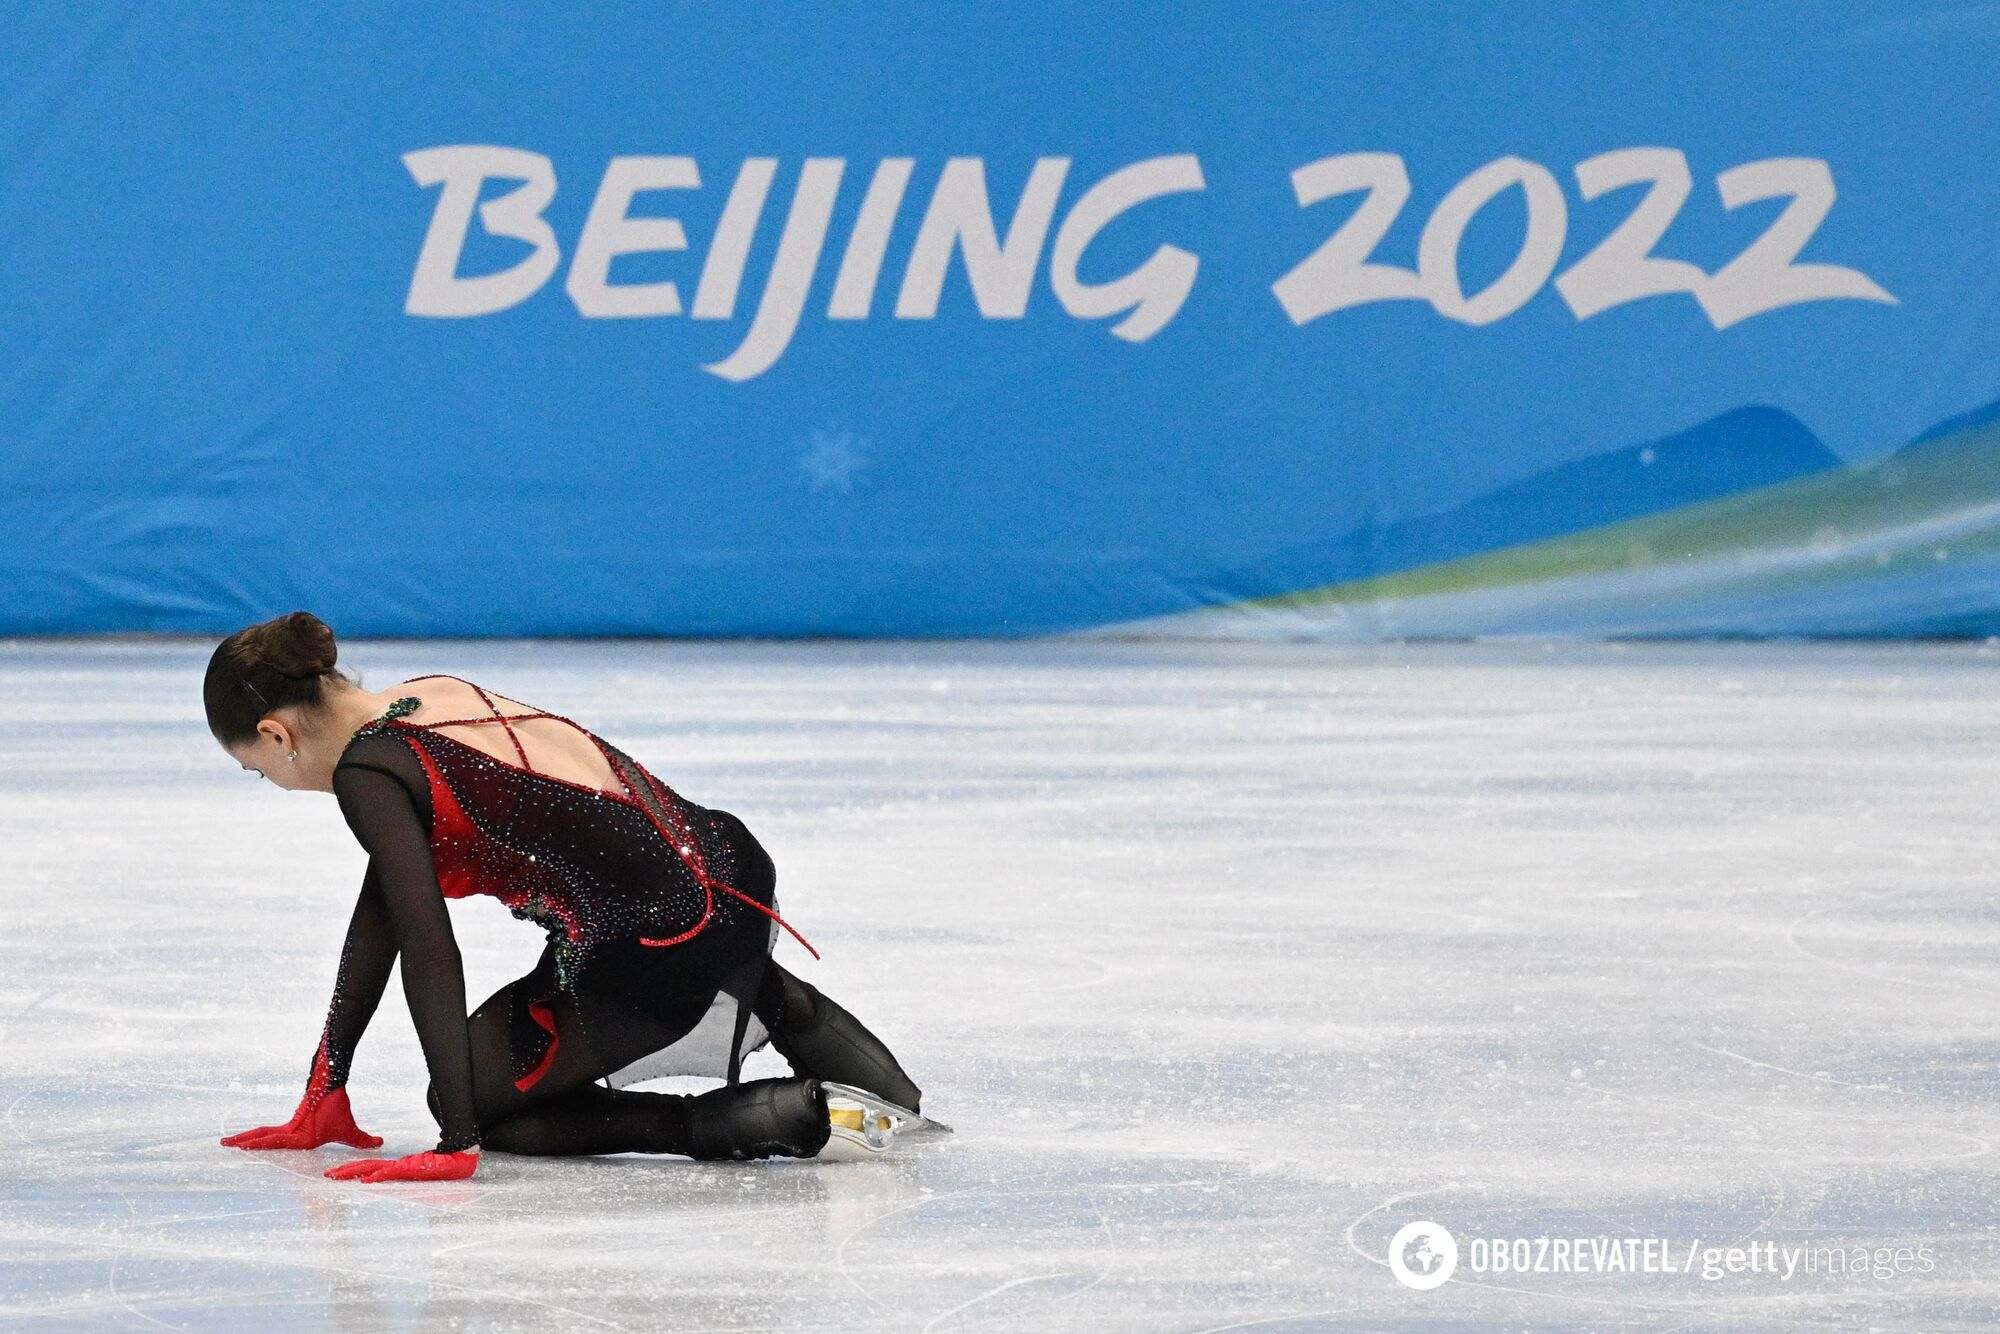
[(525, 1132), (820, 1038), (773, 1005), (503, 1138), (531, 1133), (784, 1002)]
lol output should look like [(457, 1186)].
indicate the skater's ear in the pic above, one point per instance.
[(270, 747), (280, 729)]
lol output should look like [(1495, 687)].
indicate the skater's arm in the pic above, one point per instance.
[(366, 957), (324, 1115), (380, 812)]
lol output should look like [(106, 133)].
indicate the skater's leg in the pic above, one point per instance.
[(528, 1046), (763, 1118), (533, 1090), (814, 1034), (595, 1119), (822, 1040)]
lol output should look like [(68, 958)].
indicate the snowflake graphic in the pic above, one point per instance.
[(831, 459)]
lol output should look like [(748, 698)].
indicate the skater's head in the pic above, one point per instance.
[(268, 694)]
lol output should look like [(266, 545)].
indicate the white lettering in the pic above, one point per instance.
[(1763, 277), (854, 288), (462, 169), (609, 233), (1437, 248), (1622, 268), (1155, 291), (1338, 275), (791, 273), (960, 217), (722, 274)]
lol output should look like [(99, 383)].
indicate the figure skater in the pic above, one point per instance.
[(657, 911)]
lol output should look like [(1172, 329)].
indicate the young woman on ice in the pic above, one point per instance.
[(656, 910)]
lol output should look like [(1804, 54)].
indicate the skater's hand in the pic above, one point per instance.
[(328, 1121), (427, 1166)]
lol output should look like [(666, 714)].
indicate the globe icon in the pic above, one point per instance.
[(1422, 1255)]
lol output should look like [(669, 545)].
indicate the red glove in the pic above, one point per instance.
[(426, 1166), (323, 1117)]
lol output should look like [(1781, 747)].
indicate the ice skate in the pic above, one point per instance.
[(764, 1118), (857, 1134), (864, 1126)]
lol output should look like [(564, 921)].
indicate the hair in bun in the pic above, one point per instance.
[(262, 668)]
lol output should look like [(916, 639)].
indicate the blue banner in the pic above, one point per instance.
[(1323, 320)]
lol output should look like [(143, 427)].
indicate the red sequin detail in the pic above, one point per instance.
[(320, 1082), (541, 1015)]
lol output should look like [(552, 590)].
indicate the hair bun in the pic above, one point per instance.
[(285, 662), (295, 646)]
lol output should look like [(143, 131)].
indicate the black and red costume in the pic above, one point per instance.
[(656, 910)]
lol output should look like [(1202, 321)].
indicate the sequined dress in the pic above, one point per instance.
[(650, 903)]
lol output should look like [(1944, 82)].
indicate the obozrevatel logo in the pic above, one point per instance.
[(1422, 1255)]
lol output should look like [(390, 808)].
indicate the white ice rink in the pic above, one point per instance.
[(1225, 960)]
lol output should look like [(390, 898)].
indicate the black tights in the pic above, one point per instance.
[(595, 1119), (566, 1113)]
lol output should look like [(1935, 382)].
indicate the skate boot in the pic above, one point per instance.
[(821, 1039), (764, 1118)]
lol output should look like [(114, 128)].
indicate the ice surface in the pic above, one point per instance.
[(1225, 961)]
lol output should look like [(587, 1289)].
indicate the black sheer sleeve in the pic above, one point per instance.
[(387, 754), (383, 813), (366, 957)]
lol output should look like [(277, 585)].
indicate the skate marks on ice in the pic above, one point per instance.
[(1053, 1213), (1969, 946), (1222, 960)]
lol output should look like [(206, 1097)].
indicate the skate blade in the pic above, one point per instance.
[(857, 1133), (903, 1121)]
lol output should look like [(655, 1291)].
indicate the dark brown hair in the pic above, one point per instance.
[(262, 668)]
